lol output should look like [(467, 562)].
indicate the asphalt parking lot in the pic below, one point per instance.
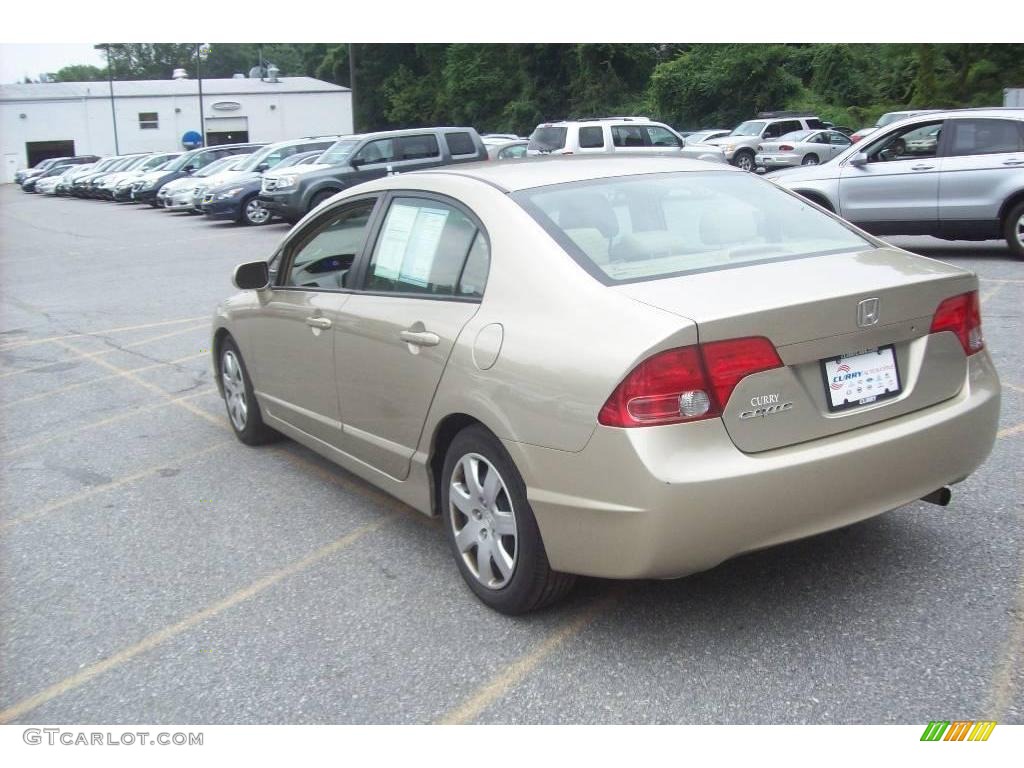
[(155, 570)]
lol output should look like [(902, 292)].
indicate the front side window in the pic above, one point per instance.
[(422, 248), (373, 152), (986, 136), (339, 152), (908, 143), (513, 152), (780, 128), (591, 137), (650, 226), (323, 259), (149, 120), (661, 137)]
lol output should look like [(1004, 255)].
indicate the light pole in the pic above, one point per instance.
[(113, 112), (202, 51)]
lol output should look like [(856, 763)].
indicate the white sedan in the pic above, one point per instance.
[(801, 148)]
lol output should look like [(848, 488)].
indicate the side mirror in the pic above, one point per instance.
[(189, 170), (251, 276), (262, 167), (357, 162), (859, 159)]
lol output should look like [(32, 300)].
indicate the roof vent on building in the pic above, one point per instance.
[(272, 73), (238, 76), (179, 74)]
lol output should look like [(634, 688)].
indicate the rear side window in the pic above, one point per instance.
[(630, 136), (423, 248), (418, 147), (984, 136), (591, 137), (548, 138), (460, 143), (813, 122), (650, 226)]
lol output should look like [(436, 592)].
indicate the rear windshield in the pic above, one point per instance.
[(656, 225), (547, 138)]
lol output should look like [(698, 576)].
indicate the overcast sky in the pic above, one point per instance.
[(18, 60)]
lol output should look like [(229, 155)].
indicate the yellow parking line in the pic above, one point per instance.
[(161, 636), (93, 355), (143, 383), (122, 329), (518, 670), (1010, 431), (1001, 280), (77, 385), (65, 432), (97, 489), (1013, 386)]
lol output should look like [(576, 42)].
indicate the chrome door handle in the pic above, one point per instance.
[(921, 167), (1013, 162), (318, 322), (420, 338)]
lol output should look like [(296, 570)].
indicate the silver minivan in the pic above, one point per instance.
[(956, 175)]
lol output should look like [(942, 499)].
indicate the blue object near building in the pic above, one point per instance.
[(192, 140)]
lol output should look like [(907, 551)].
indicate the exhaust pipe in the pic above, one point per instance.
[(940, 496)]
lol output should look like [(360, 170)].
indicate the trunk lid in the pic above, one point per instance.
[(808, 308)]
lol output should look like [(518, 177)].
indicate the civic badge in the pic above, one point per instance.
[(867, 313)]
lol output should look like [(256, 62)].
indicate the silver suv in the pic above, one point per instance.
[(615, 134), (956, 175), (740, 146)]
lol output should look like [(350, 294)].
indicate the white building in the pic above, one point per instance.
[(40, 120)]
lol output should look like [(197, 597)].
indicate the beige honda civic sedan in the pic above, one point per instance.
[(622, 367)]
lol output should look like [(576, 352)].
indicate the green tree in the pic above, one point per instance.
[(80, 73)]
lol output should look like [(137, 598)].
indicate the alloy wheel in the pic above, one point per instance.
[(810, 160), (234, 389), (481, 515), (255, 213), (1019, 231), (745, 162)]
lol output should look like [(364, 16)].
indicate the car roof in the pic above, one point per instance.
[(547, 170)]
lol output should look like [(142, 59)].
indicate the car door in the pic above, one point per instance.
[(896, 191), (838, 142), (980, 156), (292, 334), (373, 160), (420, 285)]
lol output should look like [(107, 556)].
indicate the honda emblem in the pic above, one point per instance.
[(867, 313)]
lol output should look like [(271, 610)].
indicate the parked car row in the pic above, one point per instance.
[(957, 175)]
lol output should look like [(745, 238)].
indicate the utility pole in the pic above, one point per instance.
[(199, 77), (113, 112), (352, 82)]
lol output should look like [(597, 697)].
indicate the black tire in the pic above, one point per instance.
[(1013, 230), (252, 430), (532, 584), (811, 159), (744, 159), (248, 217), (319, 197)]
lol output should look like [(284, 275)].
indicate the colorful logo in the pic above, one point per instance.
[(959, 730)]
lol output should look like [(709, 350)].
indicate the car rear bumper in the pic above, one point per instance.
[(777, 161), (665, 502)]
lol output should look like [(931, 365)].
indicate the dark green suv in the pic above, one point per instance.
[(351, 160)]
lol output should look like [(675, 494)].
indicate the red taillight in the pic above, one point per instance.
[(729, 361), (686, 384), (786, 148), (961, 315), (855, 138)]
